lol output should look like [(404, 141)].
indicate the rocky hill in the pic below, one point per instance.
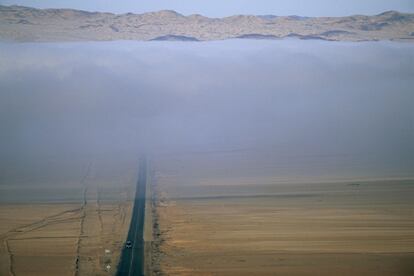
[(19, 23)]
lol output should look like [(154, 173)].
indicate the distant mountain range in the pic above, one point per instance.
[(19, 23)]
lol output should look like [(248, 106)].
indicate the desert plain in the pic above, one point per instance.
[(227, 225), (66, 231)]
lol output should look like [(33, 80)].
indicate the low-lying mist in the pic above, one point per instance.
[(337, 108)]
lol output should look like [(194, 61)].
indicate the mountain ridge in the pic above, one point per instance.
[(19, 23)]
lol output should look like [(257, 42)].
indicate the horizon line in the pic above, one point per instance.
[(200, 14)]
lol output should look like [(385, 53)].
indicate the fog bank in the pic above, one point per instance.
[(340, 108)]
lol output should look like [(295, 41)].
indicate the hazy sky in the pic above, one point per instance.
[(218, 8)]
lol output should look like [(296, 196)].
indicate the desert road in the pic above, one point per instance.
[(131, 262)]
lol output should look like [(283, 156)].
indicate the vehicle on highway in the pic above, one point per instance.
[(128, 244)]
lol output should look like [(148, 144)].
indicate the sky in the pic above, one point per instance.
[(220, 8), (315, 108)]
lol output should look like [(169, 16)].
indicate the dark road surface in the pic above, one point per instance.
[(132, 259)]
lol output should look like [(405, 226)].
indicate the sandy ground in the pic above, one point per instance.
[(72, 219), (340, 228), (260, 236), (62, 239)]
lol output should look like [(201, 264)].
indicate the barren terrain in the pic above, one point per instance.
[(337, 228), (28, 24), (78, 230), (62, 239)]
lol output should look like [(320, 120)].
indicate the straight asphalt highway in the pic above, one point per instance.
[(132, 259)]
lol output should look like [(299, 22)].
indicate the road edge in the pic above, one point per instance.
[(148, 225)]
